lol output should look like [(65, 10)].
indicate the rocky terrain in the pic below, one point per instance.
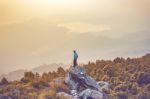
[(104, 79)]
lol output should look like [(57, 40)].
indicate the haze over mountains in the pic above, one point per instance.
[(34, 32), (18, 74), (36, 45)]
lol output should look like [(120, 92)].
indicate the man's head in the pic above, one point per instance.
[(74, 51)]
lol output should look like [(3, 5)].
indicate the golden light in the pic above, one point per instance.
[(45, 3), (46, 7)]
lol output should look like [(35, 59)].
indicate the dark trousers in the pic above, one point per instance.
[(75, 62)]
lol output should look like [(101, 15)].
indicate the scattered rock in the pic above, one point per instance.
[(104, 85), (63, 95), (91, 94)]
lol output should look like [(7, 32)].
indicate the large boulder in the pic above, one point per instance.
[(78, 77), (82, 86)]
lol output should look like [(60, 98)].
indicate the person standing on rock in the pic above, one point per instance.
[(75, 58)]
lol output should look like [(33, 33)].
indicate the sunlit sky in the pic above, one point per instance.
[(35, 32)]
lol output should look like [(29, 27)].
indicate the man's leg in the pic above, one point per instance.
[(74, 64)]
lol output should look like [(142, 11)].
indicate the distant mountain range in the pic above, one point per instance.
[(18, 74), (48, 67)]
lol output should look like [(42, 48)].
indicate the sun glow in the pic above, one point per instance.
[(53, 2), (48, 7)]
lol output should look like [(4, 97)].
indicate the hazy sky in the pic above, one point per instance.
[(35, 32)]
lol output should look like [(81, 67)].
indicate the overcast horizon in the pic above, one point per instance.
[(35, 32)]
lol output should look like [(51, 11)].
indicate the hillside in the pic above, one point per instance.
[(14, 75), (47, 67), (128, 78), (18, 74)]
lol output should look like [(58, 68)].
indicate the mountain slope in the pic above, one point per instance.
[(18, 74)]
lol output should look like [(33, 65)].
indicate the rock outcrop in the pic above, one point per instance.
[(82, 86)]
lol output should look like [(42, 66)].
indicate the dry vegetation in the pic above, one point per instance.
[(129, 79)]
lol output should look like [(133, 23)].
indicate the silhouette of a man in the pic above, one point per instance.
[(75, 58)]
